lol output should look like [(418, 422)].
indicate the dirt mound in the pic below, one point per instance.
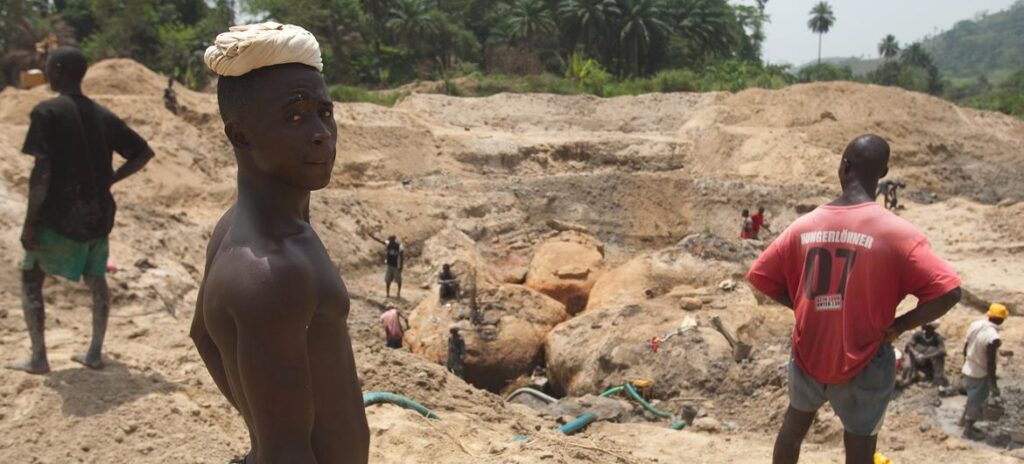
[(566, 267), (804, 127), (122, 76), (16, 104)]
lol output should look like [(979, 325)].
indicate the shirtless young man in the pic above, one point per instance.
[(271, 316)]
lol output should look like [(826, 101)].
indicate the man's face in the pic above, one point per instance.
[(290, 129), (53, 75), (929, 330)]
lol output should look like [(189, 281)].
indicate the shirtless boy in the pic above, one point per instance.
[(271, 316)]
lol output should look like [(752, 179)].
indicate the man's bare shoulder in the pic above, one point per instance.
[(259, 280)]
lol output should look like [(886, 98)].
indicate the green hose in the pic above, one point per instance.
[(677, 425), (639, 399), (612, 391), (535, 393), (370, 398)]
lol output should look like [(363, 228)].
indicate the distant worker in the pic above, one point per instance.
[(843, 269), (979, 372), (747, 229), (171, 97), (888, 189), (448, 283), (391, 320), (757, 222), (456, 353), (394, 261), (70, 207), (926, 354)]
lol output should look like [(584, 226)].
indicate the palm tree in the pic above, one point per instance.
[(916, 55), (642, 24), (587, 19), (529, 19), (413, 22), (821, 21), (888, 48), (704, 23)]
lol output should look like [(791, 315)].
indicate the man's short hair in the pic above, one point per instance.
[(235, 93), (71, 62)]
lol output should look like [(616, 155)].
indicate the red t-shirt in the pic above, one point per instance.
[(758, 220), (846, 268)]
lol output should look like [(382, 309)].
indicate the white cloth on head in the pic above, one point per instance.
[(252, 46)]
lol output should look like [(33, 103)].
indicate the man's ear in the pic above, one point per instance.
[(236, 135)]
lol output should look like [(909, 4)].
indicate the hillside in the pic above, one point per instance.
[(648, 187), (992, 45)]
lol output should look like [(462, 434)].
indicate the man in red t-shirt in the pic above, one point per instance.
[(757, 221), (843, 269)]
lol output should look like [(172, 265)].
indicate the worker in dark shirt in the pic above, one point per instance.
[(70, 207), (448, 283), (170, 97), (393, 262), (456, 353), (926, 354)]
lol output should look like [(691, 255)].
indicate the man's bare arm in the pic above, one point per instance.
[(209, 352), (38, 185), (923, 314), (272, 305), (783, 299), (205, 345), (990, 352), (132, 166)]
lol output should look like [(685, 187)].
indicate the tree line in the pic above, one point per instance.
[(388, 42), (603, 47)]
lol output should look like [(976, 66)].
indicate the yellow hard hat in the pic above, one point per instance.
[(643, 383), (998, 311)]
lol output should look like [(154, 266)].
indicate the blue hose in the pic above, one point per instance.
[(370, 398), (639, 399), (578, 424)]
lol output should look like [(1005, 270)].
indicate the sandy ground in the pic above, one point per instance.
[(639, 172)]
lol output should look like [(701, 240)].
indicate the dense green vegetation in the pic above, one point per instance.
[(390, 42), (992, 44), (168, 36), (481, 47)]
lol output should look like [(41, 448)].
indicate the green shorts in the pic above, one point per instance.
[(62, 256)]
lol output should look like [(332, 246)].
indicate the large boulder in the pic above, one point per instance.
[(507, 342), (649, 297), (603, 347), (669, 271), (566, 267)]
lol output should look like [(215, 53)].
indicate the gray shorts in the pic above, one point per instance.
[(393, 274), (859, 403), (977, 392)]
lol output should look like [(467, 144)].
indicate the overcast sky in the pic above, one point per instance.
[(861, 24)]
